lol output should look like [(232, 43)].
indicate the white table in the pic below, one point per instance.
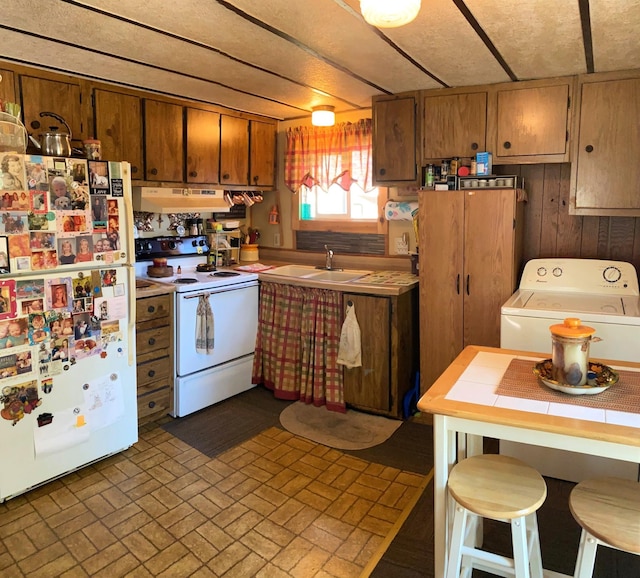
[(463, 401)]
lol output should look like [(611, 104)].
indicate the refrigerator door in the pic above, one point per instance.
[(67, 374)]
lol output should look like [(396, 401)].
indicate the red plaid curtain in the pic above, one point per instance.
[(297, 344), (322, 156)]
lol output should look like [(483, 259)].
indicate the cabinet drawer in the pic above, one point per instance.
[(154, 370), (153, 339), (150, 308), (155, 403)]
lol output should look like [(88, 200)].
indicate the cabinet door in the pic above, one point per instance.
[(7, 86), (369, 386), (203, 146), (454, 125), (489, 233), (608, 174), (262, 154), (163, 141), (62, 98), (394, 140), (118, 122), (234, 150), (441, 221), (532, 121)]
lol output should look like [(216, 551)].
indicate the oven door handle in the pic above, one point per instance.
[(220, 290)]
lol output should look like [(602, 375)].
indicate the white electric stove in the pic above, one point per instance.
[(202, 379), (602, 294)]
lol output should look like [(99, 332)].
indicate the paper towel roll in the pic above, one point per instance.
[(395, 211)]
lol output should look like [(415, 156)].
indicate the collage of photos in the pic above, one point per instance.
[(54, 211)]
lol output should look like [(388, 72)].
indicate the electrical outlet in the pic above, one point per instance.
[(402, 248), (276, 239)]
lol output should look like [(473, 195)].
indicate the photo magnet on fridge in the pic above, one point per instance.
[(5, 266)]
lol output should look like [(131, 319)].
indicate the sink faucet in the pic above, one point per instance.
[(328, 258)]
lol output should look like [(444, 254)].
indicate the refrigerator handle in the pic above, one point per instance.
[(127, 199)]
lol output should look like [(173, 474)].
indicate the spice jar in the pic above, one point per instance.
[(570, 351)]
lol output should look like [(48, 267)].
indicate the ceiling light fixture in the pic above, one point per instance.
[(323, 115), (389, 13)]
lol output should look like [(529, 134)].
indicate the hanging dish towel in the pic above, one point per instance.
[(204, 326), (349, 353)]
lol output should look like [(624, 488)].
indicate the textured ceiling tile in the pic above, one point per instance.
[(616, 32), (537, 38)]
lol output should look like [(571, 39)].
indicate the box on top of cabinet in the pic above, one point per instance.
[(484, 162)]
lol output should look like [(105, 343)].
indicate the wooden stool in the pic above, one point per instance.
[(499, 488), (608, 510)]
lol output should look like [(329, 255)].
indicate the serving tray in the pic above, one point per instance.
[(605, 378)]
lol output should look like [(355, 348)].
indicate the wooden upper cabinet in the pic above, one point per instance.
[(605, 175), (203, 146), (234, 148), (395, 159), (262, 154), (163, 141), (7, 86), (118, 126), (531, 124), (455, 125), (61, 98)]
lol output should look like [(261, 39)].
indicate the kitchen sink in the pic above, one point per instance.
[(340, 276), (314, 274)]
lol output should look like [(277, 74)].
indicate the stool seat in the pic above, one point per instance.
[(609, 509), (497, 486), (500, 488)]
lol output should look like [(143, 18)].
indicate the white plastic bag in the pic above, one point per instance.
[(349, 353)]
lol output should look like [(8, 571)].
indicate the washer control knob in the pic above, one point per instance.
[(612, 274), (542, 271), (557, 271)]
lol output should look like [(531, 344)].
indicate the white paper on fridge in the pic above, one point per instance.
[(62, 433), (103, 400)]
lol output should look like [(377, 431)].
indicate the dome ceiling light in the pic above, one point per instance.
[(323, 115), (389, 13)]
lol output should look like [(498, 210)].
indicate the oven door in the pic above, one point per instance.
[(235, 319)]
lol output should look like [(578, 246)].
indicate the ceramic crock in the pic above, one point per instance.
[(570, 351)]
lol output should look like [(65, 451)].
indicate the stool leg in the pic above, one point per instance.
[(535, 557), (520, 548), (457, 540), (586, 555)]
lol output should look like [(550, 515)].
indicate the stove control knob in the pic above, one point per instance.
[(172, 245), (612, 274), (202, 242), (194, 243), (557, 271), (541, 271)]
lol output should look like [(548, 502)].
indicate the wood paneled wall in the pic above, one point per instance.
[(550, 231)]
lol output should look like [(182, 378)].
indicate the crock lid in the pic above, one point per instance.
[(572, 328)]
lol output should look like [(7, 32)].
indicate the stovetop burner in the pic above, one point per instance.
[(186, 280), (224, 274)]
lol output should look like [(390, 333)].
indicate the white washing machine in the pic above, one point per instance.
[(603, 295)]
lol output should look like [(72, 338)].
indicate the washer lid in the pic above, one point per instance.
[(574, 303)]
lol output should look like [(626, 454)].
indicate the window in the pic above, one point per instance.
[(330, 169)]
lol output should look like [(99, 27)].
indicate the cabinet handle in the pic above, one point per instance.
[(467, 284), (152, 404), (507, 144), (151, 373), (255, 179), (35, 124), (589, 148), (458, 284), (225, 176), (154, 171), (152, 341), (151, 309), (193, 174), (383, 171), (474, 146), (134, 170)]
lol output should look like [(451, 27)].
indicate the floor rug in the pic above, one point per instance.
[(352, 430)]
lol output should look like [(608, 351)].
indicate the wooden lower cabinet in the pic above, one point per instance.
[(154, 346), (389, 337), (470, 252)]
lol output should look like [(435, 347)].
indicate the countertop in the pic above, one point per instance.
[(147, 288)]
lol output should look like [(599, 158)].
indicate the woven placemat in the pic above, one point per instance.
[(520, 381)]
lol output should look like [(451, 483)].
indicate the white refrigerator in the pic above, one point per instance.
[(67, 317)]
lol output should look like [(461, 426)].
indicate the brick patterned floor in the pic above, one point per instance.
[(275, 506)]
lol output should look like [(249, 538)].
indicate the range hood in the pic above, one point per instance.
[(166, 200)]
